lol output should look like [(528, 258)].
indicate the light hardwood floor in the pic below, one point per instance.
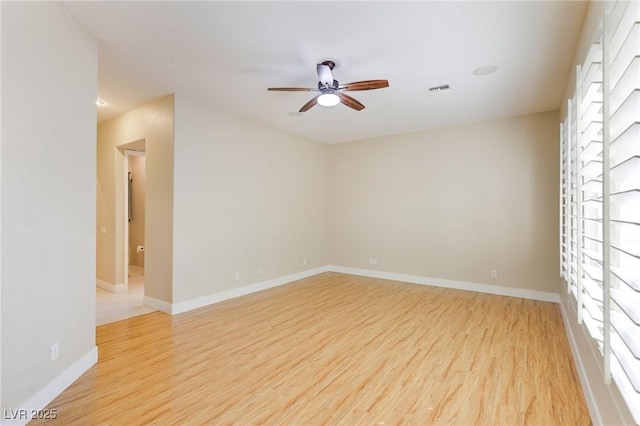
[(335, 349)]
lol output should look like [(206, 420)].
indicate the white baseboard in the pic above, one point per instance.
[(44, 396), (210, 299), (113, 288), (160, 305), (460, 285), (592, 403), (199, 302)]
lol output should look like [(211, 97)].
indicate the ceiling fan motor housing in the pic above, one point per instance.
[(334, 86), (330, 64)]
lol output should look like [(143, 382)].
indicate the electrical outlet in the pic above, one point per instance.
[(237, 275), (259, 270), (55, 351), (103, 229), (494, 274), (373, 261), (304, 261)]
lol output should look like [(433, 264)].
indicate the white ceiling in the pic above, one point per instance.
[(227, 53)]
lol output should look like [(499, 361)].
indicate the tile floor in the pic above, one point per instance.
[(112, 307)]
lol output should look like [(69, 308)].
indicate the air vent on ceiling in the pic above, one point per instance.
[(442, 88)]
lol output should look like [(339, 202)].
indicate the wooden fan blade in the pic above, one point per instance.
[(350, 102), (308, 105), (292, 89), (364, 85)]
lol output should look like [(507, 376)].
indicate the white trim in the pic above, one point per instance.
[(158, 304), (44, 396), (460, 285), (134, 152), (199, 302), (592, 402), (210, 299), (113, 288)]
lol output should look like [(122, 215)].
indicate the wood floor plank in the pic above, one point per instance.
[(335, 349)]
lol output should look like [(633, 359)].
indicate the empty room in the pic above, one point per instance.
[(329, 212)]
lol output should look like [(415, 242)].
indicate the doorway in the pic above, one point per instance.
[(135, 223), (128, 303)]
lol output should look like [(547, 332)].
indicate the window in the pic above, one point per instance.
[(600, 197)]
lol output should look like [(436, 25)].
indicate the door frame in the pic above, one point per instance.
[(125, 212)]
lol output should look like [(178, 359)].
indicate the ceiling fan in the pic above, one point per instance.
[(331, 91)]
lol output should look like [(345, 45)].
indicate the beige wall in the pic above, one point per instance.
[(453, 203), (137, 224), (49, 75), (152, 122), (246, 196)]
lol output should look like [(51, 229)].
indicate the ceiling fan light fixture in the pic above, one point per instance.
[(328, 99)]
